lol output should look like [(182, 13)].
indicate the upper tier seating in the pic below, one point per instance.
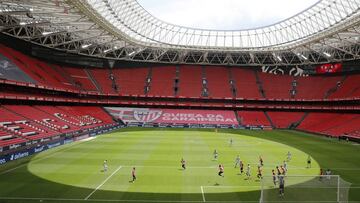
[(36, 69), (163, 81), (245, 83), (276, 86), (190, 81), (131, 80), (315, 87), (218, 82), (349, 88), (102, 76), (81, 79)]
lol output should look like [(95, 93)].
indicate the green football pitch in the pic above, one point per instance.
[(73, 172)]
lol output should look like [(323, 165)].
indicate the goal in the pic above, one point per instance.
[(325, 188)]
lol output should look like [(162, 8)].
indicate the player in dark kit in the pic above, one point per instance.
[(183, 163), (261, 161), (281, 186), (221, 170), (259, 175), (274, 177), (241, 167)]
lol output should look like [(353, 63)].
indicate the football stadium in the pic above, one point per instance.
[(120, 101)]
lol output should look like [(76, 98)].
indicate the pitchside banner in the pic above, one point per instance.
[(176, 116)]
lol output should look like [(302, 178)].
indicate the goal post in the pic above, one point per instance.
[(316, 188)]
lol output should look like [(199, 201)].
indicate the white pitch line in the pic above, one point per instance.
[(202, 192), (87, 197)]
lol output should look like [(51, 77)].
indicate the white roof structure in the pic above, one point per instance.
[(329, 31)]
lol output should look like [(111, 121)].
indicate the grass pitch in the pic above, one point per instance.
[(73, 173)]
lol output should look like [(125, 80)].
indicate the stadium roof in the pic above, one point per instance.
[(328, 31)]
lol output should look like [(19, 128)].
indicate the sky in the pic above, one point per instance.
[(224, 14)]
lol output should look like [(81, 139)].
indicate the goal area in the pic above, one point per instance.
[(309, 189)]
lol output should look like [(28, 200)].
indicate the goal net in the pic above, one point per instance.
[(325, 189)]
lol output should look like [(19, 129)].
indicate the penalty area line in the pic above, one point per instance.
[(101, 184)]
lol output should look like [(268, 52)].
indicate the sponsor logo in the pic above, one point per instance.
[(18, 155), (2, 161), (53, 145), (147, 115), (192, 117), (39, 149)]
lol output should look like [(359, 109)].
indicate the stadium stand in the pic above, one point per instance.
[(284, 119), (162, 81), (350, 87), (332, 124), (315, 87), (190, 84), (81, 79), (245, 83), (131, 80), (103, 79), (8, 70), (218, 87), (185, 81), (19, 123), (253, 118), (276, 86)]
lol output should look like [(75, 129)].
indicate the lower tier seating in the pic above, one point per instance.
[(284, 119), (332, 124), (253, 118), (21, 123)]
